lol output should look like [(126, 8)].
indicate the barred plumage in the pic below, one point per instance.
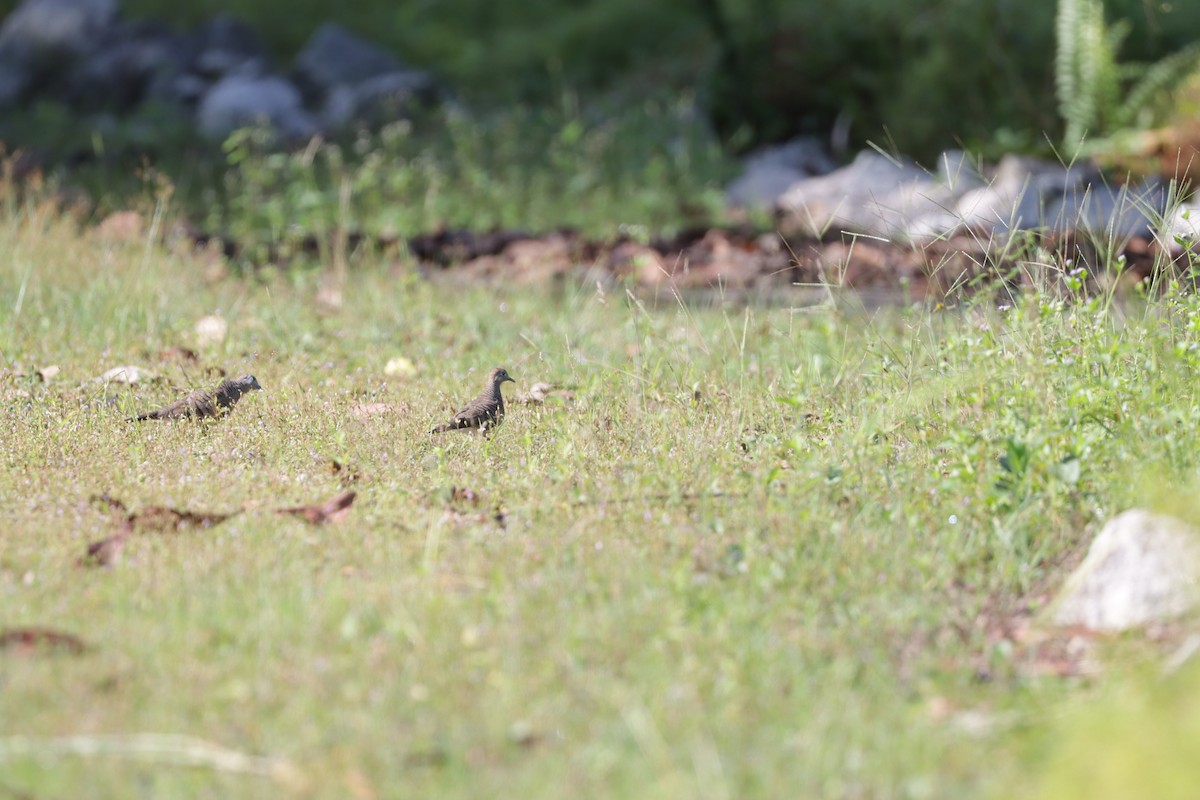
[(203, 404), (484, 412)]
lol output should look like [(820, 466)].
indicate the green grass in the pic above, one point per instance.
[(604, 170), (652, 169), (754, 558)]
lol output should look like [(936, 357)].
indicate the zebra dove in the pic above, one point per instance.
[(203, 404), (484, 412)]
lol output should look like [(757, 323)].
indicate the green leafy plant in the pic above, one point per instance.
[(1098, 95)]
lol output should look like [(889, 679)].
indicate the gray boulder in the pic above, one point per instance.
[(1141, 568), (225, 44), (335, 57), (896, 199), (243, 100), (14, 80), (182, 88), (118, 72), (1013, 199), (390, 97), (353, 80), (845, 200), (1028, 193), (44, 32), (881, 196), (768, 173), (1098, 208), (41, 39)]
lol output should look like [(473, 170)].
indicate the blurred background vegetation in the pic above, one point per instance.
[(913, 76), (921, 75)]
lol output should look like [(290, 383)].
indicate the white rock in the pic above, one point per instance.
[(400, 367), (881, 196), (1141, 568), (1017, 195), (1181, 228), (126, 374), (211, 330), (847, 199)]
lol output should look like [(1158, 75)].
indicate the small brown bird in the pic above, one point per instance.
[(484, 412), (203, 404)]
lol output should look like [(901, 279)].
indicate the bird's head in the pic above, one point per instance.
[(500, 375), (248, 383)]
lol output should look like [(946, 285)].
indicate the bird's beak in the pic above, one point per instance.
[(509, 380)]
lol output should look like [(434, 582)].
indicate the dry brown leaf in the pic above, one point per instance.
[(162, 518), (109, 503), (157, 518), (372, 409), (360, 786), (122, 226), (461, 494), (27, 641), (105, 552), (345, 473), (334, 510), (177, 353)]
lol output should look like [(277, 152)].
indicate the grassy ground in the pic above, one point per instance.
[(764, 553)]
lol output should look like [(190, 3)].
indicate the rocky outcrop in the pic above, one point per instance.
[(220, 75), (895, 199)]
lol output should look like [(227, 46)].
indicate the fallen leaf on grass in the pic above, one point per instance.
[(363, 410), (109, 503), (329, 297), (462, 494), (360, 786), (104, 553), (26, 641), (524, 735), (334, 510), (162, 518), (176, 353), (121, 226), (345, 473)]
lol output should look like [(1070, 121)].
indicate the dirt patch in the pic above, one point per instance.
[(746, 260)]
